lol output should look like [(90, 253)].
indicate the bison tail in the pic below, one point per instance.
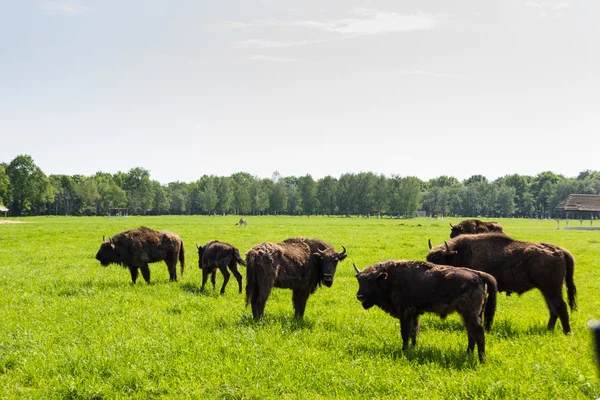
[(182, 258), (239, 258), (490, 304), (571, 289)]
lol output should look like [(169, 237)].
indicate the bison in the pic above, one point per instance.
[(135, 248), (299, 264), (215, 254), (474, 226), (517, 266), (241, 222), (408, 289)]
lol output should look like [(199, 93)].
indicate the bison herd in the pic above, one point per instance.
[(463, 275)]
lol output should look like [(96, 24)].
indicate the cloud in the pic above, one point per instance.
[(436, 74), (259, 57), (364, 22), (63, 7), (544, 10)]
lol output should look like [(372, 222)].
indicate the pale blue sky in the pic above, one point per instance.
[(187, 88)]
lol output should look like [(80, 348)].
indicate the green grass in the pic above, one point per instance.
[(71, 329)]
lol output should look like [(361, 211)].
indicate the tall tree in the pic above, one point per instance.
[(139, 190), (30, 189), (242, 201), (4, 186), (308, 190), (326, 195)]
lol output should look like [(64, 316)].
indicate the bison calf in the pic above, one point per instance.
[(136, 248), (299, 264), (215, 254), (407, 289)]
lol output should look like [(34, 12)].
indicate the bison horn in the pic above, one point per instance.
[(356, 269), (429, 242), (103, 238), (198, 247), (447, 248), (451, 226), (343, 252)]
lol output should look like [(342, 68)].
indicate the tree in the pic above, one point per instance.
[(278, 198), (139, 190), (208, 193), (326, 195), (308, 190), (161, 203), (4, 186), (30, 189), (242, 201), (86, 195), (260, 192), (404, 194), (224, 194), (505, 201)]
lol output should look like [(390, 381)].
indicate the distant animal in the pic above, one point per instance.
[(517, 266), (408, 289), (299, 264), (136, 248), (474, 226), (241, 222), (215, 254)]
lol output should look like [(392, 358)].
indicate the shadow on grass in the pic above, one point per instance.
[(195, 290), (506, 329), (423, 354), (287, 322)]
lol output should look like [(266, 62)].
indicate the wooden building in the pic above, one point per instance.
[(579, 207)]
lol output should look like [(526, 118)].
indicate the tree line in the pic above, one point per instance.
[(26, 190)]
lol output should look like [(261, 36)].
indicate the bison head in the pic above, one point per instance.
[(328, 260), (456, 230), (369, 284), (445, 255), (107, 253)]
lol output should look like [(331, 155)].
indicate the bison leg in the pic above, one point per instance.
[(172, 266), (213, 278), (475, 334), (226, 276), (205, 274), (259, 302), (406, 327), (558, 309), (134, 274), (415, 327), (299, 298), (238, 277), (145, 272)]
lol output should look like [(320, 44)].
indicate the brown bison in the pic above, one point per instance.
[(299, 264), (136, 248), (241, 222), (215, 254), (474, 226), (517, 266), (407, 289)]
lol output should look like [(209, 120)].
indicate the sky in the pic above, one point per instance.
[(410, 88)]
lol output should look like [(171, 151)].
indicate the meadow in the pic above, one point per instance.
[(72, 329)]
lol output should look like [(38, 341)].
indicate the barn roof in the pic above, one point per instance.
[(580, 202), (3, 209)]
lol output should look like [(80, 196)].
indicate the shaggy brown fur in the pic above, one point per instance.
[(241, 222), (517, 266), (474, 226), (215, 254), (136, 248), (299, 264), (408, 289)]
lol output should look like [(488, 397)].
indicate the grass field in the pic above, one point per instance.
[(71, 329)]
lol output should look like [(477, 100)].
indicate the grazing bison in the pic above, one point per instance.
[(517, 266), (215, 254), (137, 248), (241, 222), (299, 264), (474, 226), (407, 289)]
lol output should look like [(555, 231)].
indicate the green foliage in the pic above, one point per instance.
[(73, 329)]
